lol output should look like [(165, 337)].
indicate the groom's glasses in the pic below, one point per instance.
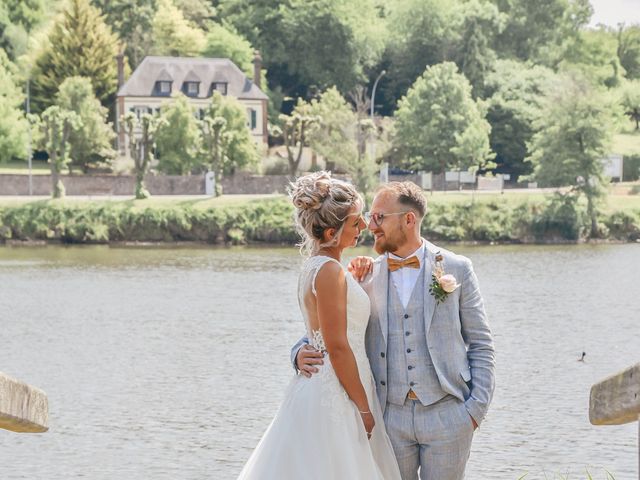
[(378, 218)]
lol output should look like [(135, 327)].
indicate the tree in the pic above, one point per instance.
[(594, 54), (173, 35), (13, 124), (132, 21), (198, 12), (631, 101), (421, 36), (226, 141), (573, 136), (629, 50), (90, 142), (333, 137), (224, 42), (80, 44), (538, 31), (295, 131), (480, 22), (177, 139), (439, 126), (515, 96), (342, 135), (55, 125), (17, 19), (141, 135), (309, 45)]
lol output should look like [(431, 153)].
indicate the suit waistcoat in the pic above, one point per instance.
[(409, 361)]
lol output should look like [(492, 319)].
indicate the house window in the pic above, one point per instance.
[(140, 110), (252, 118), (220, 87), (163, 88), (191, 89)]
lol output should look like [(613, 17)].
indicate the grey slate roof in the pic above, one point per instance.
[(178, 69)]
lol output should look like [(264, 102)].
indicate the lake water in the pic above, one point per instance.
[(168, 363)]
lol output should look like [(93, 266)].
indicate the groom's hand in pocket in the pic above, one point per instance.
[(307, 358), (475, 424)]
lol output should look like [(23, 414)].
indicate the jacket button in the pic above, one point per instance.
[(408, 350), (412, 384), (406, 315), (382, 354), (410, 367), (382, 382), (407, 333)]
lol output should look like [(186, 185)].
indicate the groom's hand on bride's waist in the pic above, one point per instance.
[(306, 358)]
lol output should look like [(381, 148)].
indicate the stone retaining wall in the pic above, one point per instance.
[(101, 184)]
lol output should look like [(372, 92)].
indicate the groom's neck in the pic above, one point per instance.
[(408, 248)]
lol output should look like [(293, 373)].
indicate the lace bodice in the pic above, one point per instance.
[(358, 310)]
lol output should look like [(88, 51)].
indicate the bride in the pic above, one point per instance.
[(329, 426)]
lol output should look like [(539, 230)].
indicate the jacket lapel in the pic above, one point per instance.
[(380, 290), (429, 300)]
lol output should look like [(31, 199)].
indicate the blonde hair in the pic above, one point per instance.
[(321, 202)]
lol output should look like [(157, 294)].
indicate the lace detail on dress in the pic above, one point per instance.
[(318, 341)]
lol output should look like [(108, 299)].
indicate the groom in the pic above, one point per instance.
[(428, 340)]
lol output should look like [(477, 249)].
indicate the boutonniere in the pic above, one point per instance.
[(442, 284)]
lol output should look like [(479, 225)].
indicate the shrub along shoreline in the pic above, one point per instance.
[(554, 220)]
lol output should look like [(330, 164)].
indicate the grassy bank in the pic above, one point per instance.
[(268, 219)]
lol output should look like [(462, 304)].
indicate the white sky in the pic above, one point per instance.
[(612, 12)]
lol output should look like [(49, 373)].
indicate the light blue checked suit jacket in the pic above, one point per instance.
[(457, 331)]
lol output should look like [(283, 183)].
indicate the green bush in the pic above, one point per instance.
[(561, 218), (624, 225)]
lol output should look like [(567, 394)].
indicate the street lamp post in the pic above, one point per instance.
[(373, 92), (29, 151), (373, 103)]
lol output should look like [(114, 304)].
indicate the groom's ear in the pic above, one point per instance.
[(412, 218)]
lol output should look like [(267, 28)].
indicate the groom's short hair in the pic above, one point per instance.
[(407, 193)]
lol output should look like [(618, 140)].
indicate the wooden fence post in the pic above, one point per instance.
[(23, 408)]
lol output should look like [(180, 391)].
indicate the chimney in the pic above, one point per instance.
[(257, 68), (120, 60)]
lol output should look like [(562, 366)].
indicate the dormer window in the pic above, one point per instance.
[(163, 88), (191, 89), (218, 86)]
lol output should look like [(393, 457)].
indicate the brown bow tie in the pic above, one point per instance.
[(411, 262)]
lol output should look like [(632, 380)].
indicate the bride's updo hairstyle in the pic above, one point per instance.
[(321, 202)]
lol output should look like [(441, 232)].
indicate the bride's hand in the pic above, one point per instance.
[(368, 421), (360, 267)]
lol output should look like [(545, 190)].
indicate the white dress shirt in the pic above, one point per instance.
[(405, 279)]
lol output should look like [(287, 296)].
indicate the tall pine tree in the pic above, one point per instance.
[(80, 44)]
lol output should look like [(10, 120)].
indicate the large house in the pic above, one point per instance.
[(156, 79)]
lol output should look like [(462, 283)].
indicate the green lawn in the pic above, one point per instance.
[(21, 167), (200, 202), (626, 143), (614, 202)]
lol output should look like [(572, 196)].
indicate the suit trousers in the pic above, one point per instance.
[(435, 439)]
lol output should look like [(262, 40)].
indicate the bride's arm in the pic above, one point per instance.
[(331, 288)]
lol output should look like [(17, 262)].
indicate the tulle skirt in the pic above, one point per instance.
[(317, 433)]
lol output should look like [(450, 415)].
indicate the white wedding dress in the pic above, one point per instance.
[(317, 432)]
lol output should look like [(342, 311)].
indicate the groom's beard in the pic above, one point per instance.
[(390, 244)]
